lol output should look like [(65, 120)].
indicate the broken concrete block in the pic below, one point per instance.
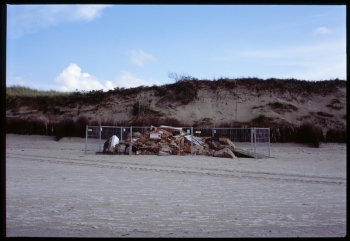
[(136, 134), (179, 141), (154, 147), (163, 153), (165, 148), (134, 149), (142, 139), (120, 148), (199, 149)]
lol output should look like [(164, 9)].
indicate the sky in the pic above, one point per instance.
[(94, 47)]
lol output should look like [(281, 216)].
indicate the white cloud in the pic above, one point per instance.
[(322, 30), (89, 12), (140, 57), (127, 80), (24, 19), (72, 78), (109, 85)]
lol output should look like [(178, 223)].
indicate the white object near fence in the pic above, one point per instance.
[(114, 141)]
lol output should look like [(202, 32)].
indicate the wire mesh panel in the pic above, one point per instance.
[(122, 132), (92, 140), (256, 140), (202, 132), (96, 136), (140, 130), (262, 141), (243, 136)]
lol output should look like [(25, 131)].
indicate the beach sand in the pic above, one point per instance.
[(54, 190)]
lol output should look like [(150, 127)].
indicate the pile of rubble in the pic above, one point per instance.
[(166, 140)]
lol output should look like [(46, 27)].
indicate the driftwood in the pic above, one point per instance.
[(225, 153), (239, 152)]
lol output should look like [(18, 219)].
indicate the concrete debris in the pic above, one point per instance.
[(167, 140)]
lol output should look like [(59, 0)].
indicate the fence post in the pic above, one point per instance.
[(251, 138), (191, 141), (254, 134), (99, 148), (269, 139), (86, 134), (121, 134), (130, 145)]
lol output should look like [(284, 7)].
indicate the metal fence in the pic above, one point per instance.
[(241, 135), (95, 139), (261, 141), (256, 140)]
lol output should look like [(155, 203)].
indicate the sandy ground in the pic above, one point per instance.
[(54, 190)]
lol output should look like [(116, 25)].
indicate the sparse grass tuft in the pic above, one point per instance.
[(279, 105), (64, 128), (154, 121), (80, 126), (261, 119), (324, 114), (335, 107), (309, 133), (26, 127), (140, 109), (333, 135)]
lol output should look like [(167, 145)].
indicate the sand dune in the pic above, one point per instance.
[(212, 103)]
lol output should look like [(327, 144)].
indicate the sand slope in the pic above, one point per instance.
[(213, 105)]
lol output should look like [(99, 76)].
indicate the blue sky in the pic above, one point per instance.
[(92, 47)]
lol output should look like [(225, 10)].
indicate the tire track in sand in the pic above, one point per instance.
[(214, 172)]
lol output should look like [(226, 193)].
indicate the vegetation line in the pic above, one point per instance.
[(18, 90)]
